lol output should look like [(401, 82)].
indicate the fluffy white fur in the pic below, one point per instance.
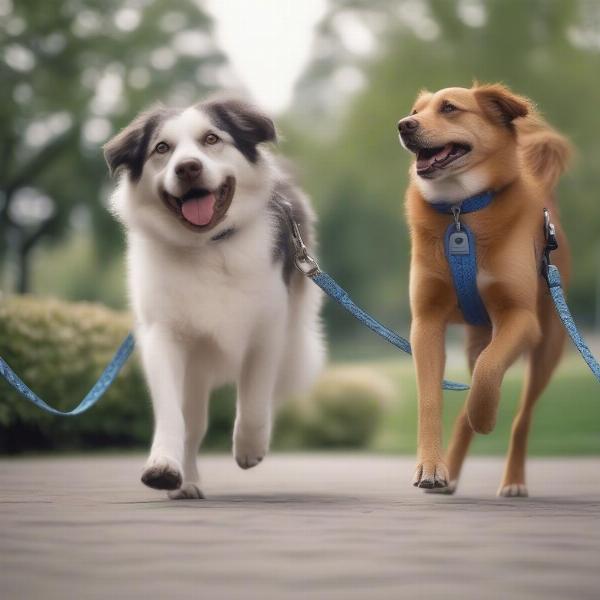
[(209, 312)]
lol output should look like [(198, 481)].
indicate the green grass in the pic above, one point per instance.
[(566, 419)]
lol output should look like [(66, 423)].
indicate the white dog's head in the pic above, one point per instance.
[(186, 172)]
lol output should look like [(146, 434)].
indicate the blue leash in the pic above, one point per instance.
[(337, 293), (104, 382), (552, 276), (309, 267)]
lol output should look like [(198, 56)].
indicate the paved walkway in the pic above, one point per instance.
[(298, 526)]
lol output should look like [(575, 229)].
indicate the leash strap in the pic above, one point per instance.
[(337, 293), (461, 254), (552, 276), (308, 266), (104, 382)]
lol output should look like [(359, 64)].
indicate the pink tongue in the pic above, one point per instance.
[(199, 211), (424, 163)]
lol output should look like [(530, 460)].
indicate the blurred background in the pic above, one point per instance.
[(336, 75)]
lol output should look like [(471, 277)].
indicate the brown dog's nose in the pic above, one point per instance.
[(407, 125), (188, 170)]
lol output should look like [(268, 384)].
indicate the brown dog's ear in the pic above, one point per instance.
[(422, 93), (129, 148), (500, 104), (247, 125)]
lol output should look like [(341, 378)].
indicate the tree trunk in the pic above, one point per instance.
[(23, 268), (25, 244)]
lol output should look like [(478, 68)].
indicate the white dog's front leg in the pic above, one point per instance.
[(195, 413), (252, 430), (164, 359)]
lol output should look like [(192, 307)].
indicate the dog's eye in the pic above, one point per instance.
[(211, 139), (448, 108), (162, 147)]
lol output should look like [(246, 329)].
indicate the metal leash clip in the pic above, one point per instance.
[(456, 215), (550, 242), (303, 261)]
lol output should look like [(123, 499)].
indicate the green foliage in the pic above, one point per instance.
[(65, 268)]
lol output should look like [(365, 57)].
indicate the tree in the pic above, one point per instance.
[(73, 73)]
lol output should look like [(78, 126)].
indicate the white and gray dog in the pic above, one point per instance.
[(212, 282)]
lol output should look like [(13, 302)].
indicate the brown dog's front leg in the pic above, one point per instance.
[(427, 338), (515, 331)]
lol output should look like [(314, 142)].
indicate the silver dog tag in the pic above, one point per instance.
[(458, 243)]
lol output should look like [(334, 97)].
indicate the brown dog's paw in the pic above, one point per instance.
[(431, 475), (482, 401), (447, 491), (513, 490), (482, 415)]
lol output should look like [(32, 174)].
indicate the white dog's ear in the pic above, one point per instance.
[(500, 104), (246, 124), (129, 148)]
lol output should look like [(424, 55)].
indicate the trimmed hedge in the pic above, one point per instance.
[(59, 349), (344, 411)]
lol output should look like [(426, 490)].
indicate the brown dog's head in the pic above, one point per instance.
[(461, 137)]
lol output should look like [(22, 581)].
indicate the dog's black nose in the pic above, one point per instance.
[(188, 170), (407, 125)]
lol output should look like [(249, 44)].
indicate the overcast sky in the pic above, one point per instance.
[(268, 43)]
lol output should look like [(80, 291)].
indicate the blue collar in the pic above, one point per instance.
[(472, 204)]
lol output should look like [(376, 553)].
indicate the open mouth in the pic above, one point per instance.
[(430, 160), (199, 208)]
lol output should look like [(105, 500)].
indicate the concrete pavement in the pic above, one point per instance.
[(298, 526)]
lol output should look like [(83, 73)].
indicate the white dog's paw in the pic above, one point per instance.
[(162, 473), (250, 448), (188, 491), (247, 461)]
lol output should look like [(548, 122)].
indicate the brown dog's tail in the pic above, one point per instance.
[(546, 152)]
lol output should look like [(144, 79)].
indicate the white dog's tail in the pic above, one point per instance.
[(305, 351)]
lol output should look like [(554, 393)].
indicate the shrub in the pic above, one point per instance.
[(344, 411), (59, 349)]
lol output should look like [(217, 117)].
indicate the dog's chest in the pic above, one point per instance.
[(220, 292)]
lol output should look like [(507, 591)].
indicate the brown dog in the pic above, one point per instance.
[(468, 141)]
